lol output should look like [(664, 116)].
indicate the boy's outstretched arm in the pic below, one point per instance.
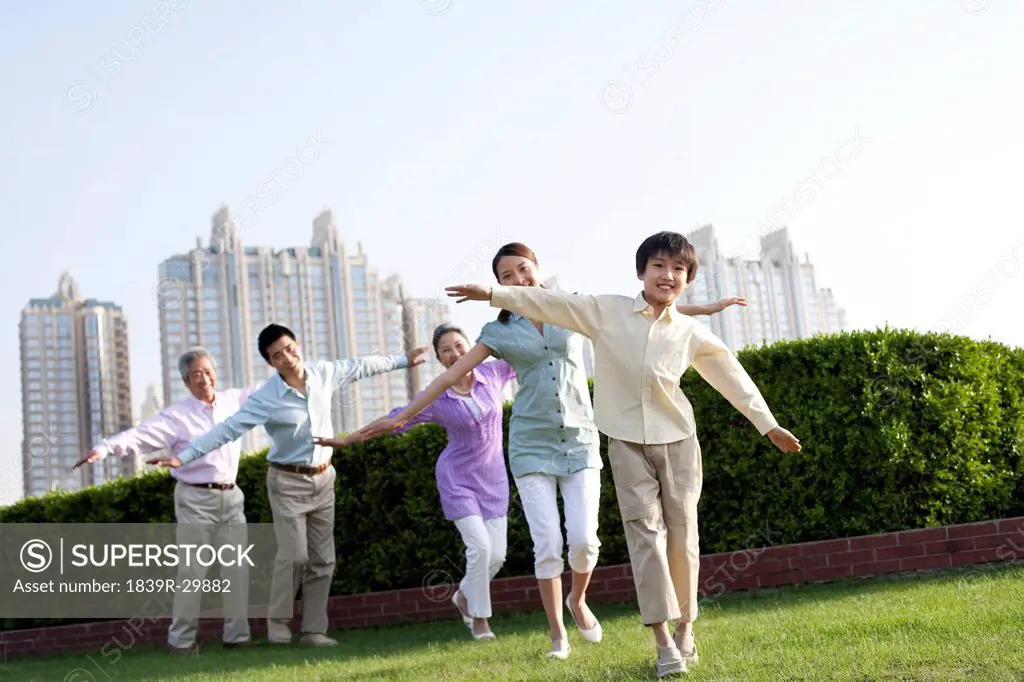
[(577, 312), (694, 309), (722, 369)]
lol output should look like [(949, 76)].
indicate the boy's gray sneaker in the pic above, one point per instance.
[(670, 662)]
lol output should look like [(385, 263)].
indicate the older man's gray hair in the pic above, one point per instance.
[(185, 361)]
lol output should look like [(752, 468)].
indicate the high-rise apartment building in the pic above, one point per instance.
[(783, 298), (75, 388), (221, 295), (379, 329)]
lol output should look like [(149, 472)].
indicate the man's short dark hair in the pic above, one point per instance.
[(671, 245), (269, 336)]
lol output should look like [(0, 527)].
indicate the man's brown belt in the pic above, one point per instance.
[(296, 469)]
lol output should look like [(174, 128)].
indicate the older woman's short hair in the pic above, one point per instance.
[(443, 329), (185, 361)]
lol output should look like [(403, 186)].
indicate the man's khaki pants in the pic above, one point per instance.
[(214, 517), (658, 487), (303, 508)]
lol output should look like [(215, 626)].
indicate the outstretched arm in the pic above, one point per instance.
[(350, 370), (377, 427), (427, 396), (153, 434), (463, 366), (694, 309), (576, 312), (720, 367), (252, 414)]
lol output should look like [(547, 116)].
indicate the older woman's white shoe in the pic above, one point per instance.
[(465, 617), (468, 622)]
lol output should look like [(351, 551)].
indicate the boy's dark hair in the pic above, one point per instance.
[(270, 334), (511, 249), (670, 244), (443, 329)]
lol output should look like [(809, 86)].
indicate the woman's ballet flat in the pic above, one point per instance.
[(594, 634)]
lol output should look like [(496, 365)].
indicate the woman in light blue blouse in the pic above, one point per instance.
[(552, 442), (552, 445)]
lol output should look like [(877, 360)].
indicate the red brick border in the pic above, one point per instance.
[(765, 567)]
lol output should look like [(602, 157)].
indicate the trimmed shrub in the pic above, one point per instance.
[(899, 430)]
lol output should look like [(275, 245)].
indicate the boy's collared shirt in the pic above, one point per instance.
[(639, 361)]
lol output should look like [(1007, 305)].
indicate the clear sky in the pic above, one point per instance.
[(449, 127)]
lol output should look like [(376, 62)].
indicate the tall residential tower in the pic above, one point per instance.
[(75, 388), (222, 294), (783, 297)]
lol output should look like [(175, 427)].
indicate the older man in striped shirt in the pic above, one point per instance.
[(205, 495)]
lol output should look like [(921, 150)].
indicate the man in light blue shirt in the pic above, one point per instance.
[(292, 406)]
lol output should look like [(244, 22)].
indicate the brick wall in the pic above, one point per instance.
[(764, 567)]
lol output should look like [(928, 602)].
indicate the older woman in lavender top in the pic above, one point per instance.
[(471, 476)]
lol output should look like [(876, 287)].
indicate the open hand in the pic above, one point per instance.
[(165, 461), (87, 458), (469, 292), (381, 426), (351, 438), (732, 300), (784, 440), (415, 356)]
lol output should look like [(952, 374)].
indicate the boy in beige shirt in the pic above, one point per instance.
[(642, 347)]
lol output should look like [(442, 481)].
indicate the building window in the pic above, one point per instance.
[(64, 326)]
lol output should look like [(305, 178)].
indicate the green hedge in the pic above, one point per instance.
[(900, 430)]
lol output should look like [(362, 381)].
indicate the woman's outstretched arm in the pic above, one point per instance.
[(463, 366)]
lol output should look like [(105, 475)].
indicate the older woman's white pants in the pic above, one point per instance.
[(486, 543)]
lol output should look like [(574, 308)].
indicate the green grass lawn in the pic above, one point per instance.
[(952, 625)]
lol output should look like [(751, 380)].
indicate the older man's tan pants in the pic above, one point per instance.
[(658, 487), (213, 517)]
